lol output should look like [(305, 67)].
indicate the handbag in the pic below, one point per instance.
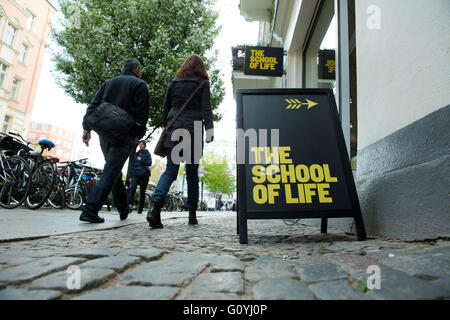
[(109, 121), (159, 149)]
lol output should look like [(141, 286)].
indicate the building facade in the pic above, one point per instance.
[(24, 30), (63, 139), (391, 82)]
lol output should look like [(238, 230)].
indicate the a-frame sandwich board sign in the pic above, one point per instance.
[(306, 173)]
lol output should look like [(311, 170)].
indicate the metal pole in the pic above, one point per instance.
[(343, 69), (201, 202)]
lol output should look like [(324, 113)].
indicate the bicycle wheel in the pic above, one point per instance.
[(168, 204), (14, 181), (57, 198), (42, 183), (74, 200)]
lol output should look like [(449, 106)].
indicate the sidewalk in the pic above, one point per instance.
[(207, 262), (22, 223)]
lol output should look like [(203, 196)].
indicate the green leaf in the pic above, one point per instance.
[(362, 286)]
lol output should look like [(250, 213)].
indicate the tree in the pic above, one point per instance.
[(218, 176), (160, 33)]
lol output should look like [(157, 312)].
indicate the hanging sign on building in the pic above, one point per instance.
[(264, 61), (327, 65), (306, 173)]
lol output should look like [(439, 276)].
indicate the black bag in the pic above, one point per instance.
[(109, 121), (159, 149)]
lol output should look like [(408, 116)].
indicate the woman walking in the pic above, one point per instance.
[(190, 76)]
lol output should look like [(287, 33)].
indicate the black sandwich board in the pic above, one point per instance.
[(308, 175)]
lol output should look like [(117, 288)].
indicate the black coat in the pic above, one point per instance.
[(129, 92), (198, 109)]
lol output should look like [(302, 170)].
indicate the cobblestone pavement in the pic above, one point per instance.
[(207, 262)]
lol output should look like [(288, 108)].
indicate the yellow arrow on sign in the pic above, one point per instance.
[(296, 104)]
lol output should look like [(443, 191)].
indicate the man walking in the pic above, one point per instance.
[(129, 92), (140, 173)]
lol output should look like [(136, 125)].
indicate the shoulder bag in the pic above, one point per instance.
[(109, 121)]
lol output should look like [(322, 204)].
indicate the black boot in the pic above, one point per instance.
[(154, 214), (192, 217)]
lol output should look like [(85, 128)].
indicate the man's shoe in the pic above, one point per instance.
[(90, 217), (193, 217), (154, 214), (139, 211)]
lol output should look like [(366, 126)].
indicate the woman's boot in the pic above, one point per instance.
[(192, 217), (154, 214)]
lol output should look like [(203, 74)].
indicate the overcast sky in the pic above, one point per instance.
[(54, 107)]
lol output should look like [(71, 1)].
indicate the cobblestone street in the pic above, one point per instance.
[(207, 262)]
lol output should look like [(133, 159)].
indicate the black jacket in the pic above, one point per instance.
[(130, 93), (198, 109)]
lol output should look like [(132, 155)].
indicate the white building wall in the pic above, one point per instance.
[(403, 67)]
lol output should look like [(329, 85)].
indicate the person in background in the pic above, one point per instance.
[(140, 173)]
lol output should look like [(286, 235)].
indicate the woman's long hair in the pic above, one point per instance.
[(192, 67)]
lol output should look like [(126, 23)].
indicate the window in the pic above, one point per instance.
[(6, 123), (32, 136), (43, 136), (10, 35), (44, 127), (3, 74), (23, 55), (34, 125), (14, 95), (31, 20)]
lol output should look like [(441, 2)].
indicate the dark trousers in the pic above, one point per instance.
[(111, 179), (142, 182), (170, 175)]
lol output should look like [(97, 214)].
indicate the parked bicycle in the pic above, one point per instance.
[(80, 179), (15, 174), (43, 171)]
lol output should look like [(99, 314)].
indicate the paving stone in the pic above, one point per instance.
[(92, 253), (177, 270), (213, 296), (132, 293), (270, 271), (14, 259), (442, 253), (117, 263), (23, 294), (36, 268), (269, 260), (89, 278), (442, 283), (281, 289), (146, 254), (397, 285), (248, 258), (337, 290), (226, 282), (38, 253), (321, 271), (419, 265), (226, 264)]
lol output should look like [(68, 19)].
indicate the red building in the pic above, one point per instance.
[(63, 139)]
